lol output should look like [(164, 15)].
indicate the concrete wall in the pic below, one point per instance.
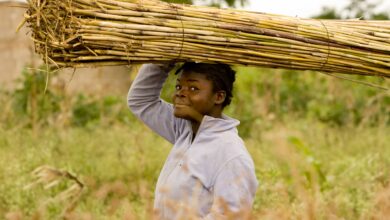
[(17, 51)]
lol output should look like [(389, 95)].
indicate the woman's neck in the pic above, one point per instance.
[(195, 128), (195, 124)]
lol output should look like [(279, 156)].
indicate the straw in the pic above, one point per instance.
[(80, 33)]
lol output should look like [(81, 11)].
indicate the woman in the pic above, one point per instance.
[(208, 173)]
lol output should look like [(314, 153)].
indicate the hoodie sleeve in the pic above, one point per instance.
[(144, 101), (234, 190)]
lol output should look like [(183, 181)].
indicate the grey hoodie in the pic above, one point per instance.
[(207, 177)]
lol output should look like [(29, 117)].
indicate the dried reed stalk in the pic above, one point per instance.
[(50, 177), (79, 33)]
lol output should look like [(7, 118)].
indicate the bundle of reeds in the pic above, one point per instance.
[(78, 33)]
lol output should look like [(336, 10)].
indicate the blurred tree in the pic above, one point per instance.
[(362, 9), (328, 13)]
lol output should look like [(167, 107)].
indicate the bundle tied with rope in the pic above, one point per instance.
[(81, 33)]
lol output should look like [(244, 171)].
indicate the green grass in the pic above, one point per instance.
[(290, 159), (320, 146)]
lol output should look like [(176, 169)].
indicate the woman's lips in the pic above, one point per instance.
[(181, 103)]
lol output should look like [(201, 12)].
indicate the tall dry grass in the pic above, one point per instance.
[(307, 170), (320, 146)]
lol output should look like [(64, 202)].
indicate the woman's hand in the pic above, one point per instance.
[(166, 67)]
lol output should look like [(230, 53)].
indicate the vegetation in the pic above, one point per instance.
[(320, 146), (356, 9)]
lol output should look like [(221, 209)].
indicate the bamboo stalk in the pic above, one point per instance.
[(81, 33)]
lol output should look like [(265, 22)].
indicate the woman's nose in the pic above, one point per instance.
[(181, 92)]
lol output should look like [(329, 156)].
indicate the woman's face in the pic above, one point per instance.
[(194, 95)]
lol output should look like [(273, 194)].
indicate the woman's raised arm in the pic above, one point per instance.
[(145, 102)]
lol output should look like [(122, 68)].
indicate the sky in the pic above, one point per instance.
[(302, 8), (297, 8)]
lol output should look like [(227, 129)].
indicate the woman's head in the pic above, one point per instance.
[(207, 88), (222, 76)]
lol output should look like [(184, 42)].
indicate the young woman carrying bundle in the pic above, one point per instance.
[(208, 174)]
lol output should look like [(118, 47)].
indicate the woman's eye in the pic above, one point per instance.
[(193, 88), (178, 87)]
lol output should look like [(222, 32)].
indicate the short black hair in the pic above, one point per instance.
[(221, 75)]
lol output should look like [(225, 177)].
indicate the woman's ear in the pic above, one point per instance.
[(220, 97)]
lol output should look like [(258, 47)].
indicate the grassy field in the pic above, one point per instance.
[(307, 170), (320, 146)]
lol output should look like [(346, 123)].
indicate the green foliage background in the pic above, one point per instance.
[(311, 136)]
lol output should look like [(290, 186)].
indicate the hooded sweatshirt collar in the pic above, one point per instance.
[(211, 124)]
